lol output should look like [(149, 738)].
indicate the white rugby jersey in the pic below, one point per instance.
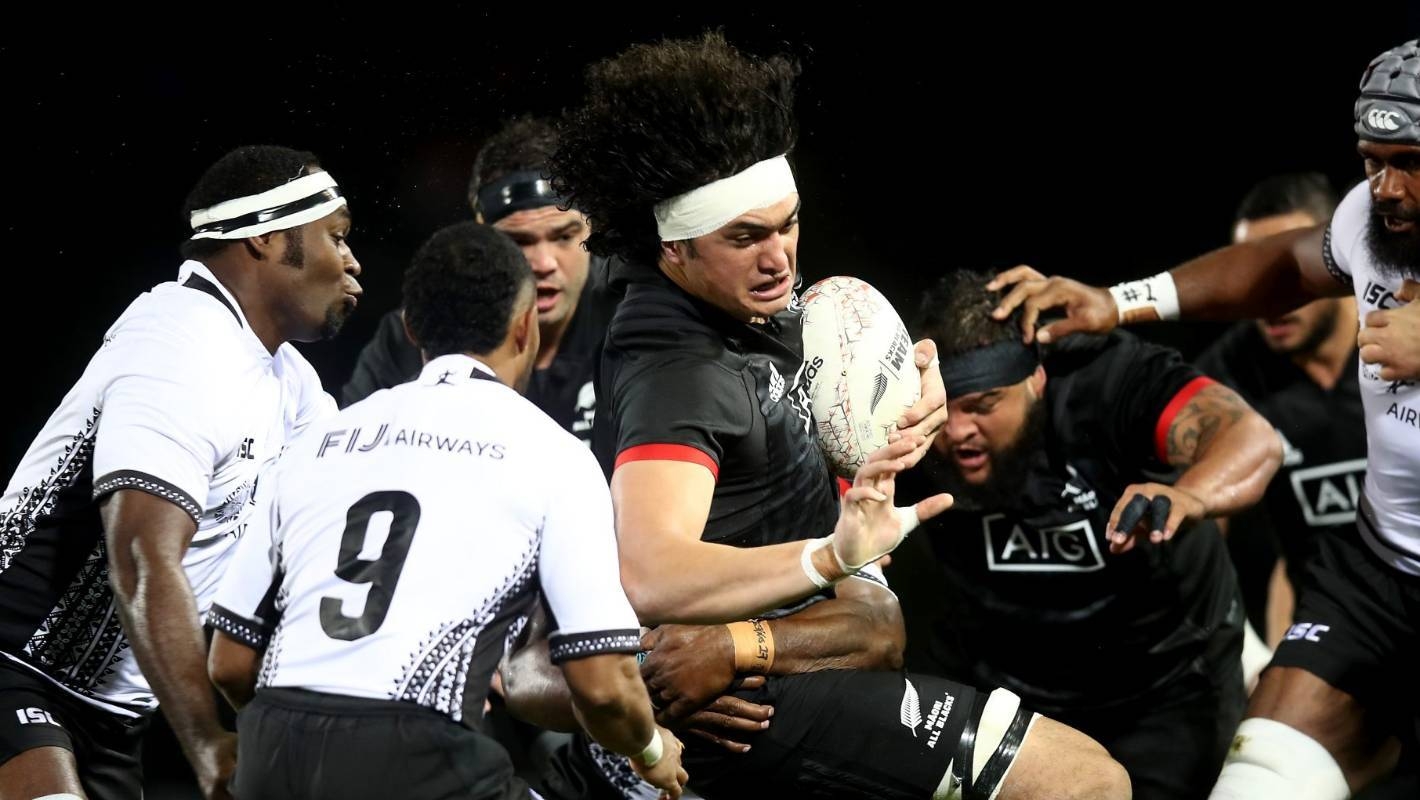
[(1389, 518), (182, 401), (399, 546)]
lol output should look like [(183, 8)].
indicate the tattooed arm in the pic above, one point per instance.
[(1228, 452)]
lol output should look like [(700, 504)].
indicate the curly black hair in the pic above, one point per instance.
[(247, 170), (661, 119), (462, 288), (525, 143), (956, 314)]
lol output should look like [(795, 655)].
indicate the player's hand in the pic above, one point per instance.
[(1087, 308), (214, 763), (926, 416), (686, 667), (869, 527), (1151, 510), (729, 718), (666, 774), (1391, 337)]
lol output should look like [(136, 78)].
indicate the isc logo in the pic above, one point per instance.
[(35, 716), (1308, 631)]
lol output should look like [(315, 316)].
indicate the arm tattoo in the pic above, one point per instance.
[(1210, 412)]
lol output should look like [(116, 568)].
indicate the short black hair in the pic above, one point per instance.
[(247, 170), (660, 120), (523, 144), (462, 288), (956, 314), (1308, 192)]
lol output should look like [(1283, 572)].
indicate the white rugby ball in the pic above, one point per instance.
[(859, 367)]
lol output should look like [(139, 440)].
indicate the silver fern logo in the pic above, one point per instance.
[(880, 384), (910, 714)]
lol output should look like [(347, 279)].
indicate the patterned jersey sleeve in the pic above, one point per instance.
[(1346, 233), (245, 604), (161, 425)]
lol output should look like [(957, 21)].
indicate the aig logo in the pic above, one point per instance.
[(1328, 494), (1383, 119), (585, 412), (1012, 547)]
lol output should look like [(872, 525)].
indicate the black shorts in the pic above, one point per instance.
[(834, 734), (1355, 627), (841, 733), (34, 712), (293, 743), (1172, 741)]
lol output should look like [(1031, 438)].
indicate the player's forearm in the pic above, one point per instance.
[(1234, 466), (839, 634), (610, 701), (159, 615), (682, 581), (535, 690), (1253, 279), (232, 666)]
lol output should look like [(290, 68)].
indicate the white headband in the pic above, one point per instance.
[(710, 207), (305, 199)]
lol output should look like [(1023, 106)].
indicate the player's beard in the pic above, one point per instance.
[(1396, 253), (1009, 468)]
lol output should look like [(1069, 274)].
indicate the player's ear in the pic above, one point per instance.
[(1036, 381), (524, 328), (675, 253)]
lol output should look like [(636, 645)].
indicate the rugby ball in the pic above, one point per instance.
[(859, 369)]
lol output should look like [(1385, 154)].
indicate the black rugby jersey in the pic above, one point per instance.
[(682, 380), (1324, 440), (1028, 597)]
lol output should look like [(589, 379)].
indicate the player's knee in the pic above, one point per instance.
[(1099, 777), (1015, 754), (1058, 761), (1087, 770)]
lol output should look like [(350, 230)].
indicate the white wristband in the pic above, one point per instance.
[(652, 752), (806, 560), (1146, 300)]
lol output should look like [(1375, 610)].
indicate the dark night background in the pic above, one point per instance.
[(1091, 146)]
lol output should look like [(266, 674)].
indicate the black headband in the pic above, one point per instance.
[(516, 191), (990, 367)]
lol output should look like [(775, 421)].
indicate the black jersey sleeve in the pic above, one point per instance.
[(1128, 392), (680, 408)]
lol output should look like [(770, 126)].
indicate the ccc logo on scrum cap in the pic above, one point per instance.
[(1383, 119)]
